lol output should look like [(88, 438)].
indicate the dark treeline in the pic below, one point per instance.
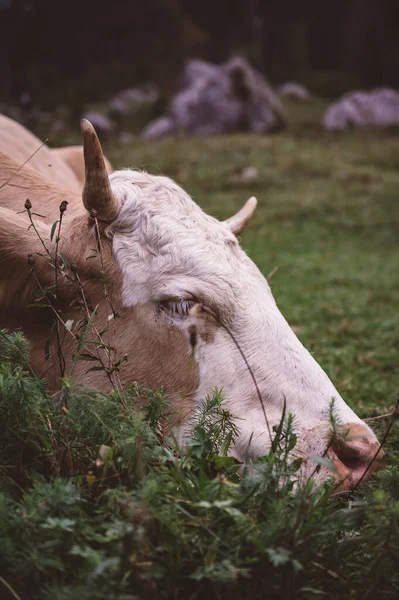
[(78, 50)]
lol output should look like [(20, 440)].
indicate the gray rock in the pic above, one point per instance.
[(219, 99), (127, 101), (378, 107), (158, 128), (295, 91), (119, 106), (245, 174)]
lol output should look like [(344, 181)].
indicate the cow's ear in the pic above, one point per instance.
[(239, 221), (20, 247)]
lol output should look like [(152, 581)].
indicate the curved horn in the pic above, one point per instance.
[(97, 193), (240, 220)]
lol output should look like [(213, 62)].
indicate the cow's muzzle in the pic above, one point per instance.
[(356, 454)]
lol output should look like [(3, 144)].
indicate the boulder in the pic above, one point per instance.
[(294, 91), (378, 107), (159, 128), (127, 100), (218, 99)]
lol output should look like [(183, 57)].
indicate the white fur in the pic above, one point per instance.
[(167, 247)]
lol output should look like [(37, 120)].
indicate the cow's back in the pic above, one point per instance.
[(17, 185), (73, 157), (21, 145)]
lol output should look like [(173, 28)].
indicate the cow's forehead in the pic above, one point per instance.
[(163, 239), (157, 209)]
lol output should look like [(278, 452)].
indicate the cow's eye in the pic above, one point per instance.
[(177, 308)]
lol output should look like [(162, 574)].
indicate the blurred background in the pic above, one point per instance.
[(71, 56), (100, 47)]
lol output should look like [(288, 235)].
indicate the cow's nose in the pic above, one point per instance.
[(355, 455)]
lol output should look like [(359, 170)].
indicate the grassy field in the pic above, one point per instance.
[(96, 503), (328, 220)]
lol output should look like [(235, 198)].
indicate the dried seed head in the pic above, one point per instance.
[(93, 213), (28, 204), (31, 260), (63, 206)]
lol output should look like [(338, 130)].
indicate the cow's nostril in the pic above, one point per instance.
[(350, 470), (353, 463), (356, 455)]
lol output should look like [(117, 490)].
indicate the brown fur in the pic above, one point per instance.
[(73, 156), (21, 145), (157, 352), (18, 185)]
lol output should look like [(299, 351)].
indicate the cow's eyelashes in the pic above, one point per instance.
[(177, 308)]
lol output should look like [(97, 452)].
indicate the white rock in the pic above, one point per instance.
[(219, 99), (378, 107), (294, 90), (158, 128), (127, 100)]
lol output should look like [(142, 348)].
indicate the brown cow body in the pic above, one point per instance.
[(73, 157), (22, 146), (64, 167)]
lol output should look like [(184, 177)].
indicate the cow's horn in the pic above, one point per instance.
[(97, 193), (240, 220)]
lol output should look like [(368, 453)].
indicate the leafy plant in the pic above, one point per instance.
[(97, 502)]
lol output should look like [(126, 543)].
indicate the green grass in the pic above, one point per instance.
[(96, 503), (328, 218)]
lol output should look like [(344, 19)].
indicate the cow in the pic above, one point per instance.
[(63, 166), (73, 157), (183, 301)]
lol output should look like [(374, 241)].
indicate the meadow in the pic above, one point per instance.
[(327, 220), (97, 503)]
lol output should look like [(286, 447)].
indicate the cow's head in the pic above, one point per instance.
[(176, 268), (182, 268)]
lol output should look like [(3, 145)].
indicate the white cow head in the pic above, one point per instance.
[(181, 267)]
